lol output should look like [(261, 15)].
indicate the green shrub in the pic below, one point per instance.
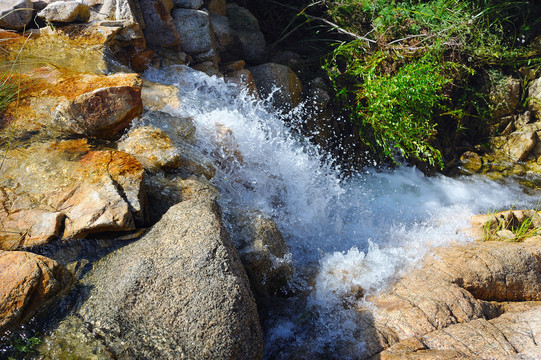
[(396, 84)]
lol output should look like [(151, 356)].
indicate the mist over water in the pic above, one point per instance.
[(344, 234)]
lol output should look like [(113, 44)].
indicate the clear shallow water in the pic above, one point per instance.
[(343, 233)]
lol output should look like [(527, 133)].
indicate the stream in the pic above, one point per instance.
[(348, 236), (343, 233)]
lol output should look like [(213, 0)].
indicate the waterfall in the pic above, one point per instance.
[(343, 233)]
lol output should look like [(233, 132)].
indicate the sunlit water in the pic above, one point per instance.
[(343, 234)]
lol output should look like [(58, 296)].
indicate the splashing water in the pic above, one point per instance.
[(343, 234)]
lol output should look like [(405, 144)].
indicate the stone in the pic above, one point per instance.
[(270, 75), (183, 292), (227, 40), (160, 28), (188, 4), (123, 13), (263, 252), (456, 287), (180, 129), (194, 162), (101, 113), (65, 12), (217, 7), (227, 153), (504, 94), (288, 58), (151, 147), (471, 161), (520, 144), (69, 191), (246, 27), (514, 335), (28, 282), (84, 48), (245, 80), (534, 94), (15, 14), (196, 34), (65, 102), (157, 96)]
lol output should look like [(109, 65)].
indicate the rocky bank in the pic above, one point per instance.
[(94, 154)]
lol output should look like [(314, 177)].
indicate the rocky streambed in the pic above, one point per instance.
[(151, 211)]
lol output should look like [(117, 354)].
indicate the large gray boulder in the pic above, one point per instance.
[(227, 40), (196, 34), (15, 14), (246, 27), (178, 292)]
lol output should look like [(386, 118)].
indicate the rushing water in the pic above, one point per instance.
[(343, 233)]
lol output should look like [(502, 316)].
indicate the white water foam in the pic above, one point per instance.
[(358, 233)]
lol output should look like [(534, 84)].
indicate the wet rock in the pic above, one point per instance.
[(27, 283), (65, 12), (11, 17), (227, 153), (160, 28), (157, 96), (208, 67), (196, 34), (180, 129), (194, 162), (217, 7), (183, 293), (65, 184), (245, 80), (504, 94), (68, 103), (228, 67), (269, 76), (534, 94), (246, 27), (188, 4), (101, 113), (84, 48), (263, 251), (152, 148), (198, 188), (471, 161)]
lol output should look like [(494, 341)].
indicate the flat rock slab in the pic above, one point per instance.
[(65, 189), (27, 282), (182, 293), (450, 305), (66, 102)]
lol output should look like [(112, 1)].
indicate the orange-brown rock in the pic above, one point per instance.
[(69, 102), (451, 299), (27, 282), (79, 47), (152, 148), (65, 185)]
